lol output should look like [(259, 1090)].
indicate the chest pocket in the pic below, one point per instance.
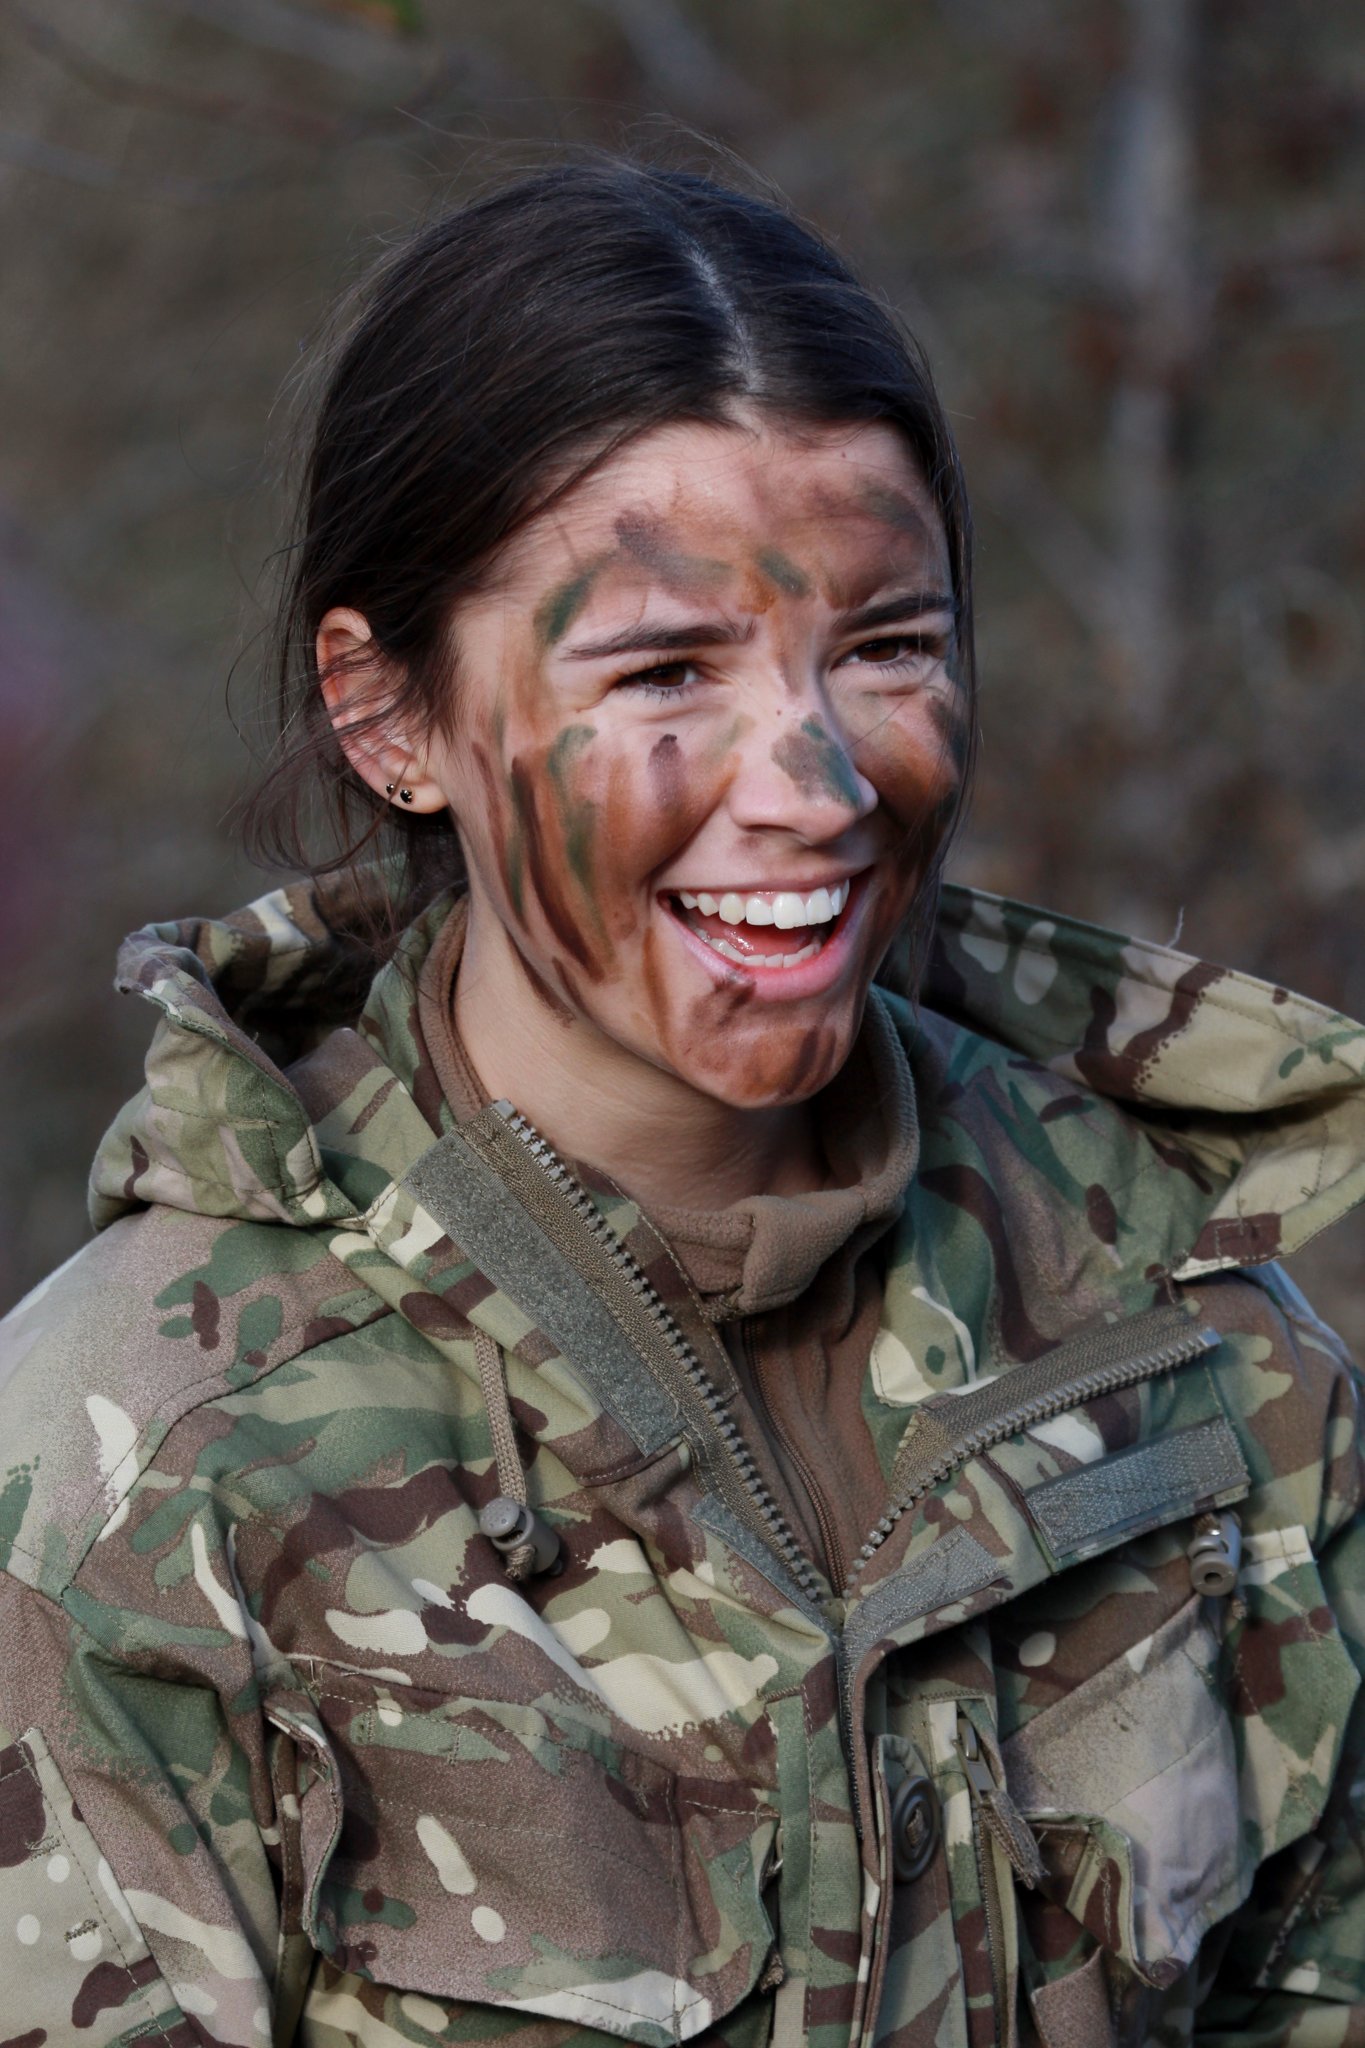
[(1157, 1786), (469, 1852)]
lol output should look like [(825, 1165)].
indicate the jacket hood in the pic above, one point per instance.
[(1263, 1090)]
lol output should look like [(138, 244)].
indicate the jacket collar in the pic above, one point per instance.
[(1260, 1093)]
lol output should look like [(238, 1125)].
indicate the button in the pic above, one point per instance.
[(914, 1828)]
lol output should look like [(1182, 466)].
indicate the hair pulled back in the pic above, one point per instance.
[(498, 355)]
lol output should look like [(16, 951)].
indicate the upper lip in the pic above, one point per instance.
[(804, 887)]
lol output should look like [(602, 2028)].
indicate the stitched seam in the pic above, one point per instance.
[(210, 1387), (97, 1909)]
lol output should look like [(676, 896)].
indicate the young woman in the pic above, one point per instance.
[(636, 1480)]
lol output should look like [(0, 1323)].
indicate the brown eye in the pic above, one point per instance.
[(664, 680)]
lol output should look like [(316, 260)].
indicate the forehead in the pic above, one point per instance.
[(688, 500)]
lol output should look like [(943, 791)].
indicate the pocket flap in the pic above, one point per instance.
[(516, 1857)]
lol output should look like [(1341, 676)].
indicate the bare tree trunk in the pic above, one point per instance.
[(1150, 262)]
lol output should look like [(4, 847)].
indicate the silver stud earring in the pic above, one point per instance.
[(405, 796)]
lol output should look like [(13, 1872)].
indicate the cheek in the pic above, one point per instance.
[(915, 758), (650, 801), (580, 824)]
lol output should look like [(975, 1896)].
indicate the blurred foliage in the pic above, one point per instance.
[(1130, 233)]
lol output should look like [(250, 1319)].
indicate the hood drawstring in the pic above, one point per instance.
[(510, 1523)]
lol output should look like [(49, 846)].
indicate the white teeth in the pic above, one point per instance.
[(784, 908), (757, 961)]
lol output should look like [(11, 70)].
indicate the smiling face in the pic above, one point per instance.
[(707, 741)]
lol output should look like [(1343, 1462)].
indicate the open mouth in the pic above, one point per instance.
[(763, 929)]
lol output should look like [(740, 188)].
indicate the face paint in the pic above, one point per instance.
[(776, 757), (557, 612), (784, 573), (895, 508), (545, 868), (666, 772), (649, 542), (508, 835), (816, 764), (579, 819)]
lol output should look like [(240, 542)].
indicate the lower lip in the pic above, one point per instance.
[(811, 977)]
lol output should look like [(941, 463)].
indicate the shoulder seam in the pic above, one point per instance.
[(198, 1394)]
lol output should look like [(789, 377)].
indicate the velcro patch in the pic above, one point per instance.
[(1165, 1480)]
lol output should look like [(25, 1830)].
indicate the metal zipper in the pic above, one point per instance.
[(1065, 1382), (1070, 1391), (979, 1780), (772, 1523), (1083, 1369)]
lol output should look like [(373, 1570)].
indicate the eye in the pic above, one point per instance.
[(668, 679), (899, 651)]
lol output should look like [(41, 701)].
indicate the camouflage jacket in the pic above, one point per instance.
[(292, 1757)]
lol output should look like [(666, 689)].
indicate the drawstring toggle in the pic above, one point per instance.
[(511, 1526)]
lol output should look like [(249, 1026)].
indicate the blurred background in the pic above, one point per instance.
[(1131, 234)]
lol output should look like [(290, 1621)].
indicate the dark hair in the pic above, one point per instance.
[(500, 354)]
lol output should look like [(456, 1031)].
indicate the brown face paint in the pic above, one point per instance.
[(666, 772), (558, 1010), (569, 986), (507, 835), (544, 869), (816, 764)]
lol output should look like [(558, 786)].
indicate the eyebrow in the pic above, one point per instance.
[(906, 604), (646, 639)]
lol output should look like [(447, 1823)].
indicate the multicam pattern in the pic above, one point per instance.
[(290, 1758)]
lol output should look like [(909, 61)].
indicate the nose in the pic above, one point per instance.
[(798, 775)]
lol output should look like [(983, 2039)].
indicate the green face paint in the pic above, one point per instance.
[(579, 819), (646, 541), (817, 765), (894, 508), (781, 570), (577, 815), (557, 612)]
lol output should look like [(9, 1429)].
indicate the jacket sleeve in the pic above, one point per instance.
[(137, 1895), (1293, 1974)]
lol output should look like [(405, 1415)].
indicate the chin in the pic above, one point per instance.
[(780, 1070)]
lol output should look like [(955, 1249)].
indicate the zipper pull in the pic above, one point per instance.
[(999, 1814)]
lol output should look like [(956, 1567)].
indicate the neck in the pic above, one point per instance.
[(665, 1142)]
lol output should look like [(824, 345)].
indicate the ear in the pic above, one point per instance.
[(356, 691)]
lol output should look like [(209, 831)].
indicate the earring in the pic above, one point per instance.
[(405, 796)]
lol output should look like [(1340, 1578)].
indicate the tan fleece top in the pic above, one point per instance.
[(794, 1282)]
